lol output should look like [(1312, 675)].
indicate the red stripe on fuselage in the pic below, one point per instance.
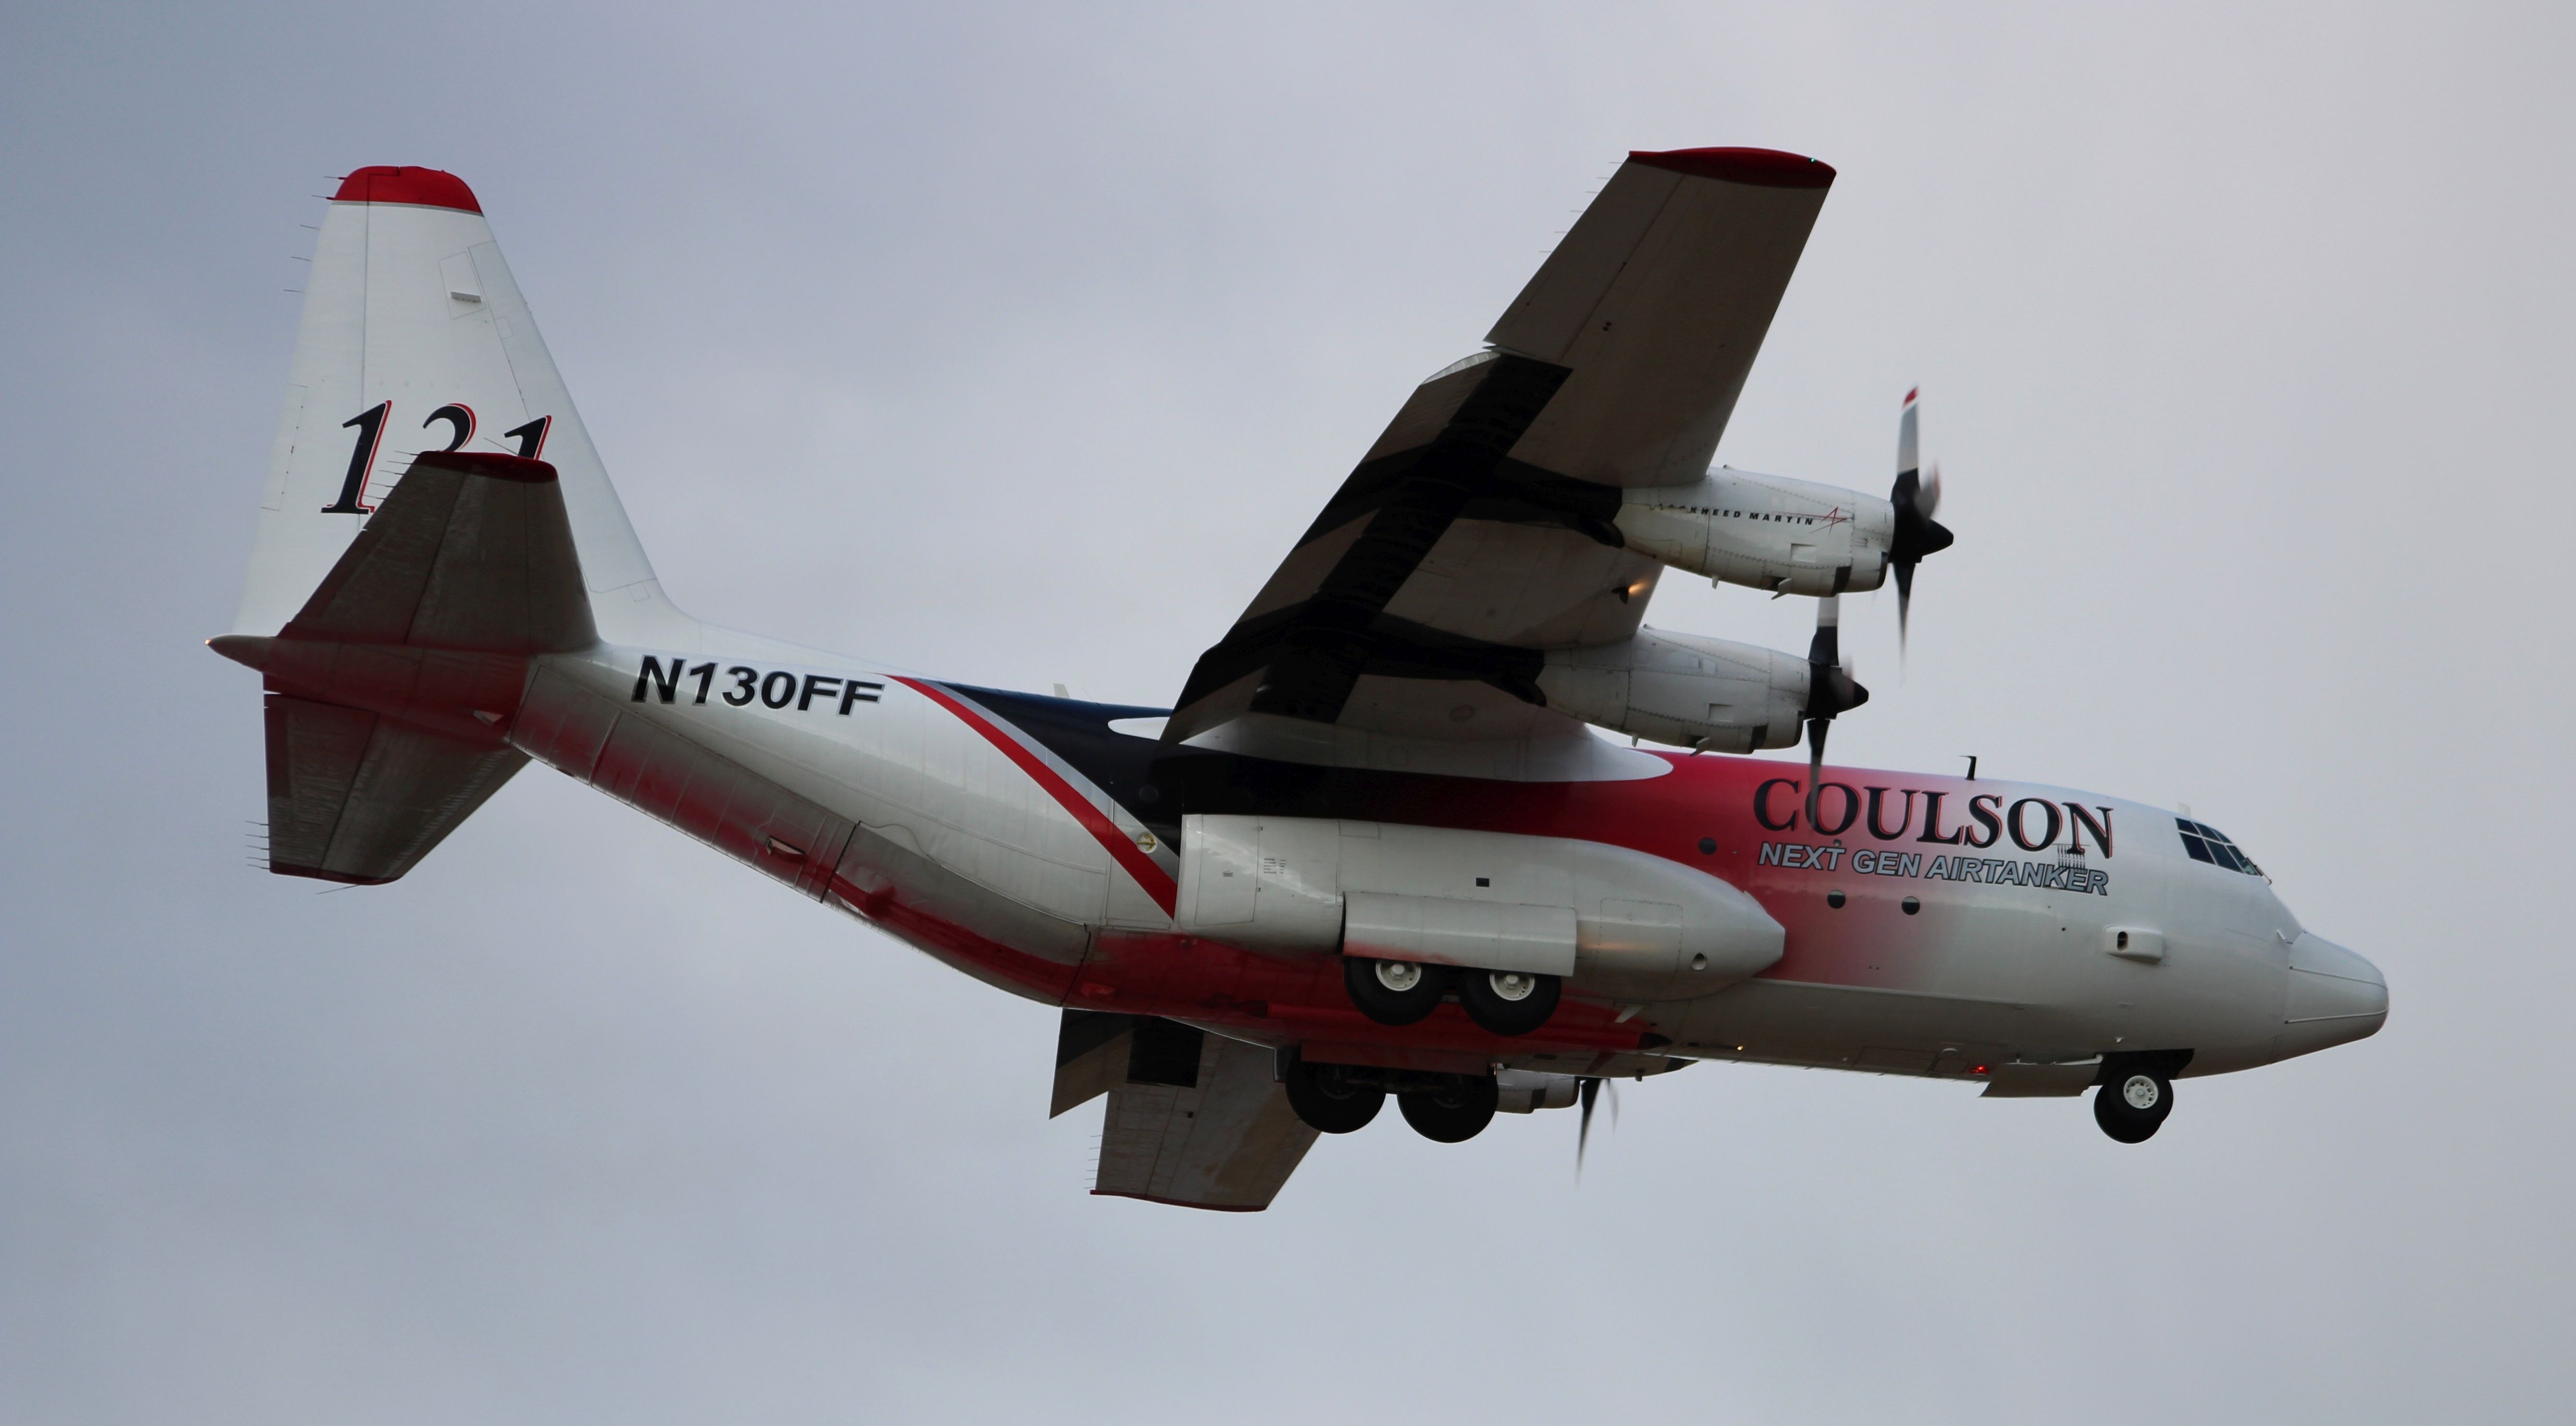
[(1157, 882)]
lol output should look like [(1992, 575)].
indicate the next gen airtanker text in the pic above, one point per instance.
[(1991, 871)]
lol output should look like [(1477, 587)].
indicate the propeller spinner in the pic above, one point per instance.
[(1915, 498)]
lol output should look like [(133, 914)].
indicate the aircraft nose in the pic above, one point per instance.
[(2334, 997)]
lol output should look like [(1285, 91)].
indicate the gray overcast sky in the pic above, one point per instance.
[(1016, 344)]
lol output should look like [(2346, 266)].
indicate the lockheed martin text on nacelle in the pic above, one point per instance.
[(1375, 845)]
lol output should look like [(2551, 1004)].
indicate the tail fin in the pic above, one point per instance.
[(415, 339), (393, 626)]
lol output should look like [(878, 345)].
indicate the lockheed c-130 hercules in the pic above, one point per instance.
[(1384, 842)]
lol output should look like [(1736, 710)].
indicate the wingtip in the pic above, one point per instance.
[(1764, 168)]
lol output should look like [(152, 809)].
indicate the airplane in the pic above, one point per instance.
[(1401, 832)]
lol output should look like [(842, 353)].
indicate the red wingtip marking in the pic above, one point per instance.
[(398, 183), (491, 463), (1767, 168), (1911, 393)]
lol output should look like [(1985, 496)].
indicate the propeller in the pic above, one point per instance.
[(1589, 1091), (1915, 497), (1830, 690)]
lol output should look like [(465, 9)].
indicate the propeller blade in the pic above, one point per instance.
[(1825, 649), (1824, 660), (1830, 690), (1906, 444), (1815, 763), (1916, 495), (1589, 1091), (1904, 601)]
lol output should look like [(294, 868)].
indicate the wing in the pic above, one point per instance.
[(1475, 535), (1194, 1119)]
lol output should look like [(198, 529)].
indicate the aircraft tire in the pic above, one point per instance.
[(1451, 1114), (1489, 1002), (1394, 992), (2132, 1107), (1327, 1103)]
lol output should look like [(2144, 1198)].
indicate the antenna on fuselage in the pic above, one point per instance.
[(1972, 765)]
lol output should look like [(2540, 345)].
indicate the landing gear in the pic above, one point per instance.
[(1337, 1099), (1450, 1113), (1508, 1002), (2131, 1105), (1330, 1099), (1394, 992)]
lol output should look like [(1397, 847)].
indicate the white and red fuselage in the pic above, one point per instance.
[(1929, 925)]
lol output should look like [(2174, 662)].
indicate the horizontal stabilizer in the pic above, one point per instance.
[(470, 551), (354, 797)]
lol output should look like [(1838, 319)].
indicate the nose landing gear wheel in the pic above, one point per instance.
[(1328, 1102), (1450, 1114), (1394, 992), (1507, 1002), (2131, 1107)]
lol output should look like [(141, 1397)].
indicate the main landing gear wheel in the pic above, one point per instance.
[(1394, 992), (1328, 1101), (1508, 1002), (2132, 1106), (1450, 1113)]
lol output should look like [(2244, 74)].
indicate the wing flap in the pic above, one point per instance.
[(1091, 1050), (1229, 1142)]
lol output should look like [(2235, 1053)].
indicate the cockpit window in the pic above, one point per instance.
[(2208, 844)]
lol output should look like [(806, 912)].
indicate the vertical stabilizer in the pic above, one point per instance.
[(415, 339)]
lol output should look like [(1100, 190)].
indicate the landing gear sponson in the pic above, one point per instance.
[(1404, 992)]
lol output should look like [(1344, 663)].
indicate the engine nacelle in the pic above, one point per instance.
[(1621, 924), (1676, 688), (1763, 531)]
